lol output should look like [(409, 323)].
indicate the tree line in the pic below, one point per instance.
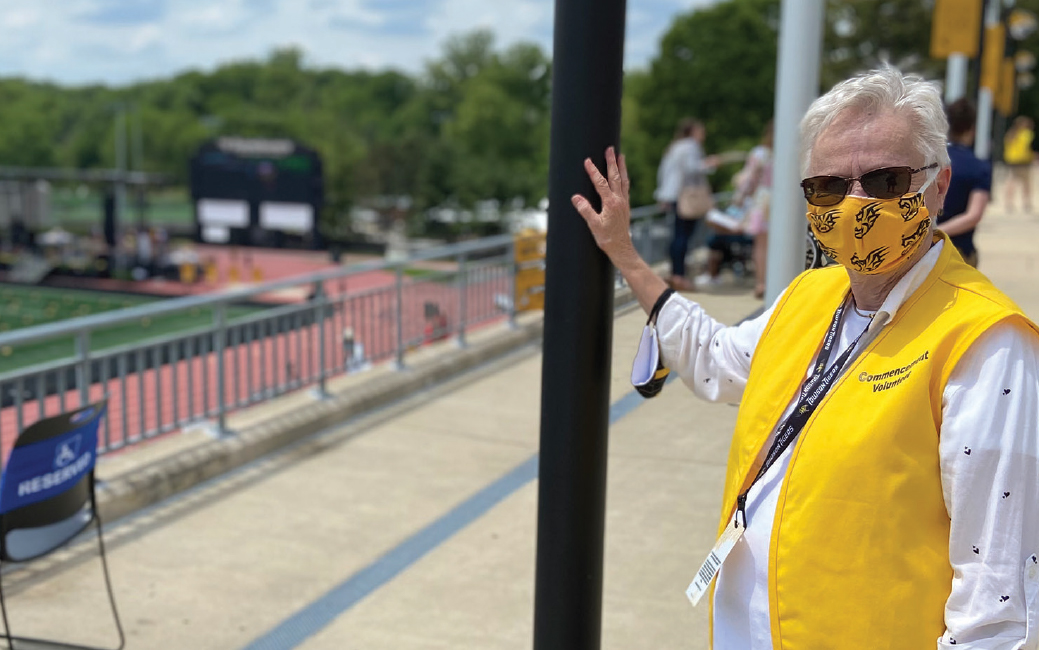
[(474, 124)]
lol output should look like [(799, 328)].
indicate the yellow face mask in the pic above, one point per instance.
[(871, 236)]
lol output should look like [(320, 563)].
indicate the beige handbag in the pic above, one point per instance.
[(694, 202)]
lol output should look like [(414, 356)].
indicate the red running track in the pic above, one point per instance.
[(164, 400), (274, 264)]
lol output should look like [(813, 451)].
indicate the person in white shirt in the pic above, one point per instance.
[(889, 498), (683, 166)]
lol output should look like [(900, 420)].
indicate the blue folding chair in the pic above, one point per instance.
[(47, 498)]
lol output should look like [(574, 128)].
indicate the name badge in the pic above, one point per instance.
[(710, 567)]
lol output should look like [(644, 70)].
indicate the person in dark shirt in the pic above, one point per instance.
[(971, 182)]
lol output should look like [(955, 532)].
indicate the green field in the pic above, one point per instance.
[(74, 207), (22, 306)]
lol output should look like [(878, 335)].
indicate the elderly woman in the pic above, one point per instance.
[(884, 471)]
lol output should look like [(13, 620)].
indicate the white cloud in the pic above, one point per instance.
[(145, 37), (18, 19), (119, 41)]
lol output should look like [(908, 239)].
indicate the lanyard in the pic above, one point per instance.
[(812, 393)]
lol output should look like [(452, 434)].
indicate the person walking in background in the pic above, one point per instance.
[(144, 250), (1017, 154), (684, 193), (348, 346), (353, 351), (754, 192), (971, 182)]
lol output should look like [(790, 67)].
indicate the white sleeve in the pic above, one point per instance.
[(713, 360), (667, 187), (989, 452)]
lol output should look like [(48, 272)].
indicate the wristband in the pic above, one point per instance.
[(658, 305)]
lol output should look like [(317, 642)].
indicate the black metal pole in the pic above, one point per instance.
[(587, 62), (974, 76), (1002, 120)]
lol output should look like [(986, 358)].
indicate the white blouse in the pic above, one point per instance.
[(989, 454)]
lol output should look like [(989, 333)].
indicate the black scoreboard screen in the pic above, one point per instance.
[(254, 191)]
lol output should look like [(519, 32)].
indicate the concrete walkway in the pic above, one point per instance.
[(414, 527)]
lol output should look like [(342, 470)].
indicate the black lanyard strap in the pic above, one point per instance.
[(812, 393)]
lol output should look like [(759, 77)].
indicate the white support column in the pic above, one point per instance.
[(797, 85), (983, 130), (955, 77)]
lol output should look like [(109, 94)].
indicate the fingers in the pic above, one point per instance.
[(612, 170), (584, 208), (625, 181), (601, 185)]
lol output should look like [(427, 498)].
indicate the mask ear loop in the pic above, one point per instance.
[(932, 175)]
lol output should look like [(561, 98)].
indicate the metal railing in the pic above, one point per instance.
[(163, 384), (652, 230)]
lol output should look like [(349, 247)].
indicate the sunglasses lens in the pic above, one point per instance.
[(887, 183), (824, 191)]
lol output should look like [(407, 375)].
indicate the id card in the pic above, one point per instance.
[(710, 567)]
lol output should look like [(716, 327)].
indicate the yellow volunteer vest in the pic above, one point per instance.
[(1017, 150), (859, 555)]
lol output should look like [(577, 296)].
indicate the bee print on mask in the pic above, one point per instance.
[(871, 262), (866, 218), (910, 240), (824, 223), (910, 206), (828, 252)]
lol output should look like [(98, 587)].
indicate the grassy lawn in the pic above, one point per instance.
[(435, 275), (442, 273), (22, 306), (71, 207)]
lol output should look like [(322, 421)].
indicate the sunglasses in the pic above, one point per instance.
[(884, 183)]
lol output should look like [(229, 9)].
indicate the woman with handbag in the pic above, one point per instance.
[(684, 193)]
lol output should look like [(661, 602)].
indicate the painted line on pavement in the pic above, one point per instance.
[(313, 618)]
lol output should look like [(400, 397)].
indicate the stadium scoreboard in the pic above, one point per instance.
[(257, 191)]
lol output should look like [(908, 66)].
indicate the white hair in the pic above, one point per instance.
[(877, 90)]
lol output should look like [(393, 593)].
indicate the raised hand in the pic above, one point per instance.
[(610, 226)]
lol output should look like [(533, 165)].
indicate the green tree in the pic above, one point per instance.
[(1028, 98), (473, 127), (716, 64), (862, 34), (499, 129), (719, 63)]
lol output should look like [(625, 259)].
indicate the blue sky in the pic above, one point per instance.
[(118, 41)]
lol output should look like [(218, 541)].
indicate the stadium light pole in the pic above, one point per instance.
[(587, 64), (797, 85), (137, 163), (120, 163), (983, 126)]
